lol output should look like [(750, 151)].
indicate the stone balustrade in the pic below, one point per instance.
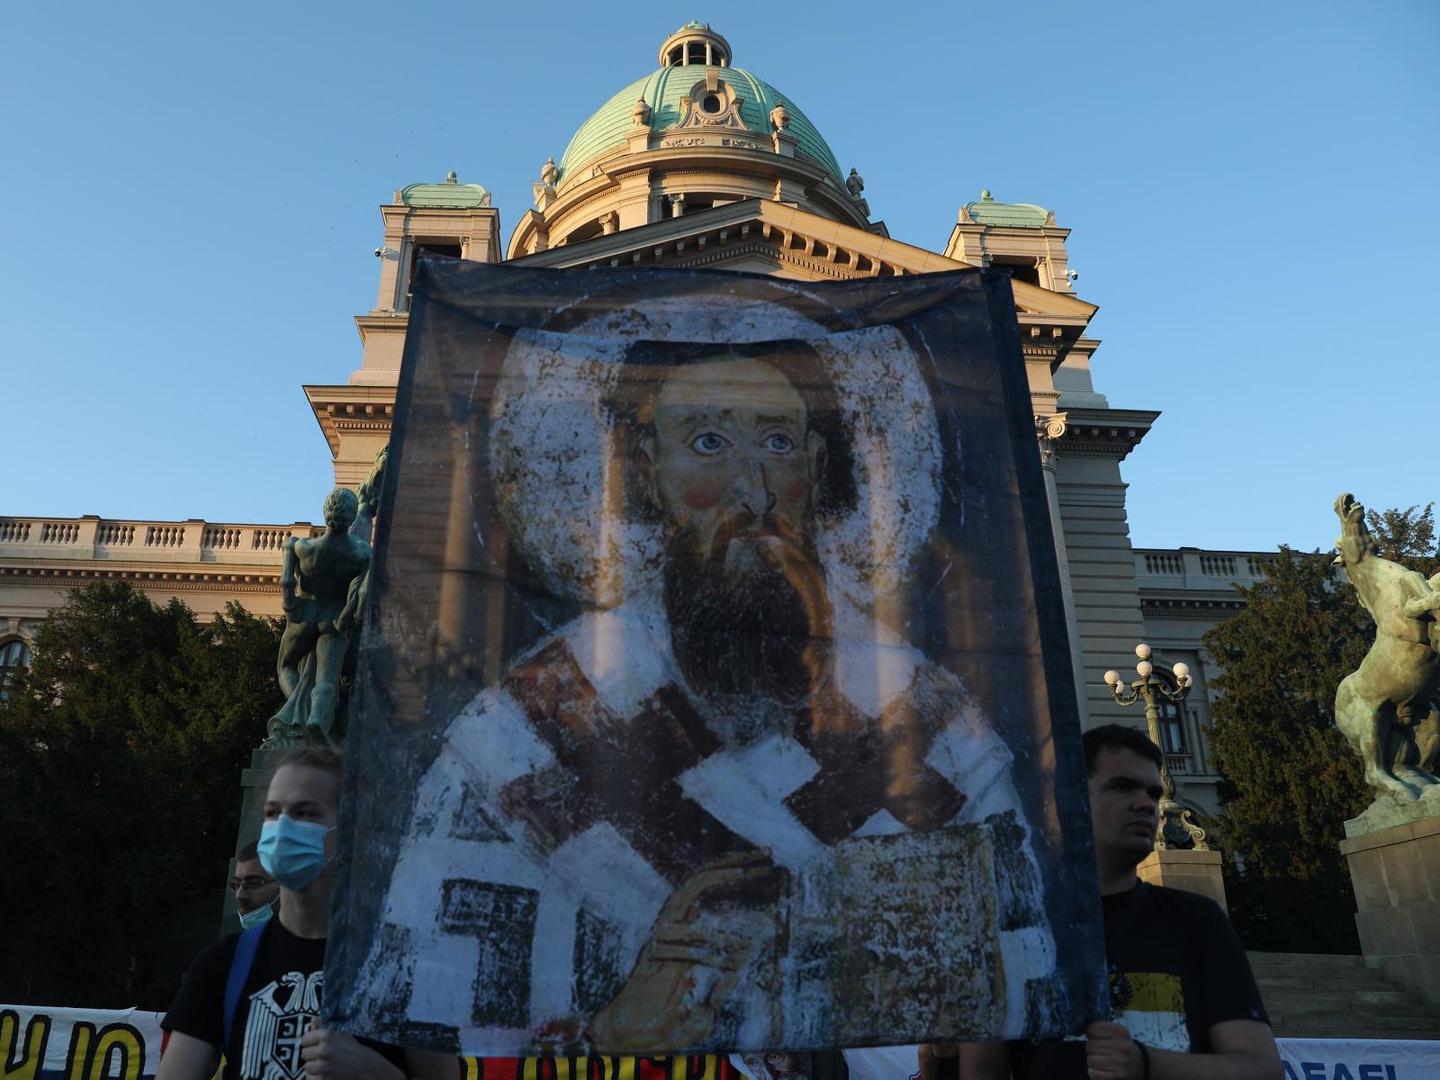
[(1221, 566), (194, 541), (1193, 568), (1179, 764), (1162, 563)]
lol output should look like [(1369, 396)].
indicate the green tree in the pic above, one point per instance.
[(1289, 779), (120, 754)]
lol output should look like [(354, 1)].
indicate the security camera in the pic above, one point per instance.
[(379, 253), (1072, 275)]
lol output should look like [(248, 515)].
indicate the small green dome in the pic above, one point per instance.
[(662, 90), (987, 211), (449, 194)]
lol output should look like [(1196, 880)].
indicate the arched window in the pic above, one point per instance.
[(14, 655), (588, 231)]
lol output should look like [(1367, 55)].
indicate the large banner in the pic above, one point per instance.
[(1359, 1059), (42, 1043), (715, 691), (78, 1044)]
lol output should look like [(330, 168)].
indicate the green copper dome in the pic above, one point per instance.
[(449, 194), (662, 91), (1024, 215)]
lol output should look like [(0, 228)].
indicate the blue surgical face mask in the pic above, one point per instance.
[(258, 917), (292, 852)]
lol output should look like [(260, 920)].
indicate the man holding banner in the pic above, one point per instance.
[(1184, 1003), (255, 997)]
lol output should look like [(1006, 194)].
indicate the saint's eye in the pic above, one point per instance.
[(777, 442), (709, 443)]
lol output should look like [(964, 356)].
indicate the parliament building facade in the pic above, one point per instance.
[(703, 164)]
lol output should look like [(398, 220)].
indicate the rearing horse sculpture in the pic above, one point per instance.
[(1387, 707)]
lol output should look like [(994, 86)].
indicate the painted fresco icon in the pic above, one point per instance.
[(722, 798)]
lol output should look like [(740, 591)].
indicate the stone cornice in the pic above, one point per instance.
[(1028, 233), (727, 253), (405, 222), (718, 242), (1048, 338), (1206, 608), (384, 321), (353, 407), (1105, 431), (1054, 232), (598, 251), (208, 579), (803, 230), (601, 177)]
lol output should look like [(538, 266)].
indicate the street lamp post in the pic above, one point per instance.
[(1177, 829)]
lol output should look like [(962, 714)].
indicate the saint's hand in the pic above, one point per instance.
[(686, 970)]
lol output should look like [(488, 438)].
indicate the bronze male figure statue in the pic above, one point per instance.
[(321, 616)]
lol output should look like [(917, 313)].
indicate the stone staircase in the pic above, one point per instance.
[(1320, 996)]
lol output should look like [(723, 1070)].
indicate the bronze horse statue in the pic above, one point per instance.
[(1387, 707)]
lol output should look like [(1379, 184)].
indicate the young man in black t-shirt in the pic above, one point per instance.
[(1184, 1003), (273, 1032)]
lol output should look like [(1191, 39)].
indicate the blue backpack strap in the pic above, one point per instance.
[(240, 965)]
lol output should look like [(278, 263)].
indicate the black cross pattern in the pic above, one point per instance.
[(625, 771)]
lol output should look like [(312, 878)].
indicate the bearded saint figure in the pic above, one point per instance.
[(597, 854)]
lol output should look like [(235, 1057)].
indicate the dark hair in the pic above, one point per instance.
[(248, 853), (1119, 737), (315, 757), (631, 402)]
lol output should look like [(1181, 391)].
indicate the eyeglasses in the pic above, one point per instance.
[(254, 881)]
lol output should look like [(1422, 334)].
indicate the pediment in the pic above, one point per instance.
[(769, 237)]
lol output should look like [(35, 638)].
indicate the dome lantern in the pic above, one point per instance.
[(695, 86), (695, 134), (695, 43)]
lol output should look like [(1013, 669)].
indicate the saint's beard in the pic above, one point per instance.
[(747, 619)]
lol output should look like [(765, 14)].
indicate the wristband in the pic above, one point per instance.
[(1144, 1060)]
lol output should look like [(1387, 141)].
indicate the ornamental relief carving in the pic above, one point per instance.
[(711, 103)]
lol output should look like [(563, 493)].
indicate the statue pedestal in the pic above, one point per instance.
[(1193, 871), (1396, 871), (1378, 816)]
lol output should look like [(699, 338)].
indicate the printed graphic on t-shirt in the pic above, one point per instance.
[(1151, 1004), (280, 1014)]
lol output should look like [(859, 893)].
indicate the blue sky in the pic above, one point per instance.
[(192, 196)]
